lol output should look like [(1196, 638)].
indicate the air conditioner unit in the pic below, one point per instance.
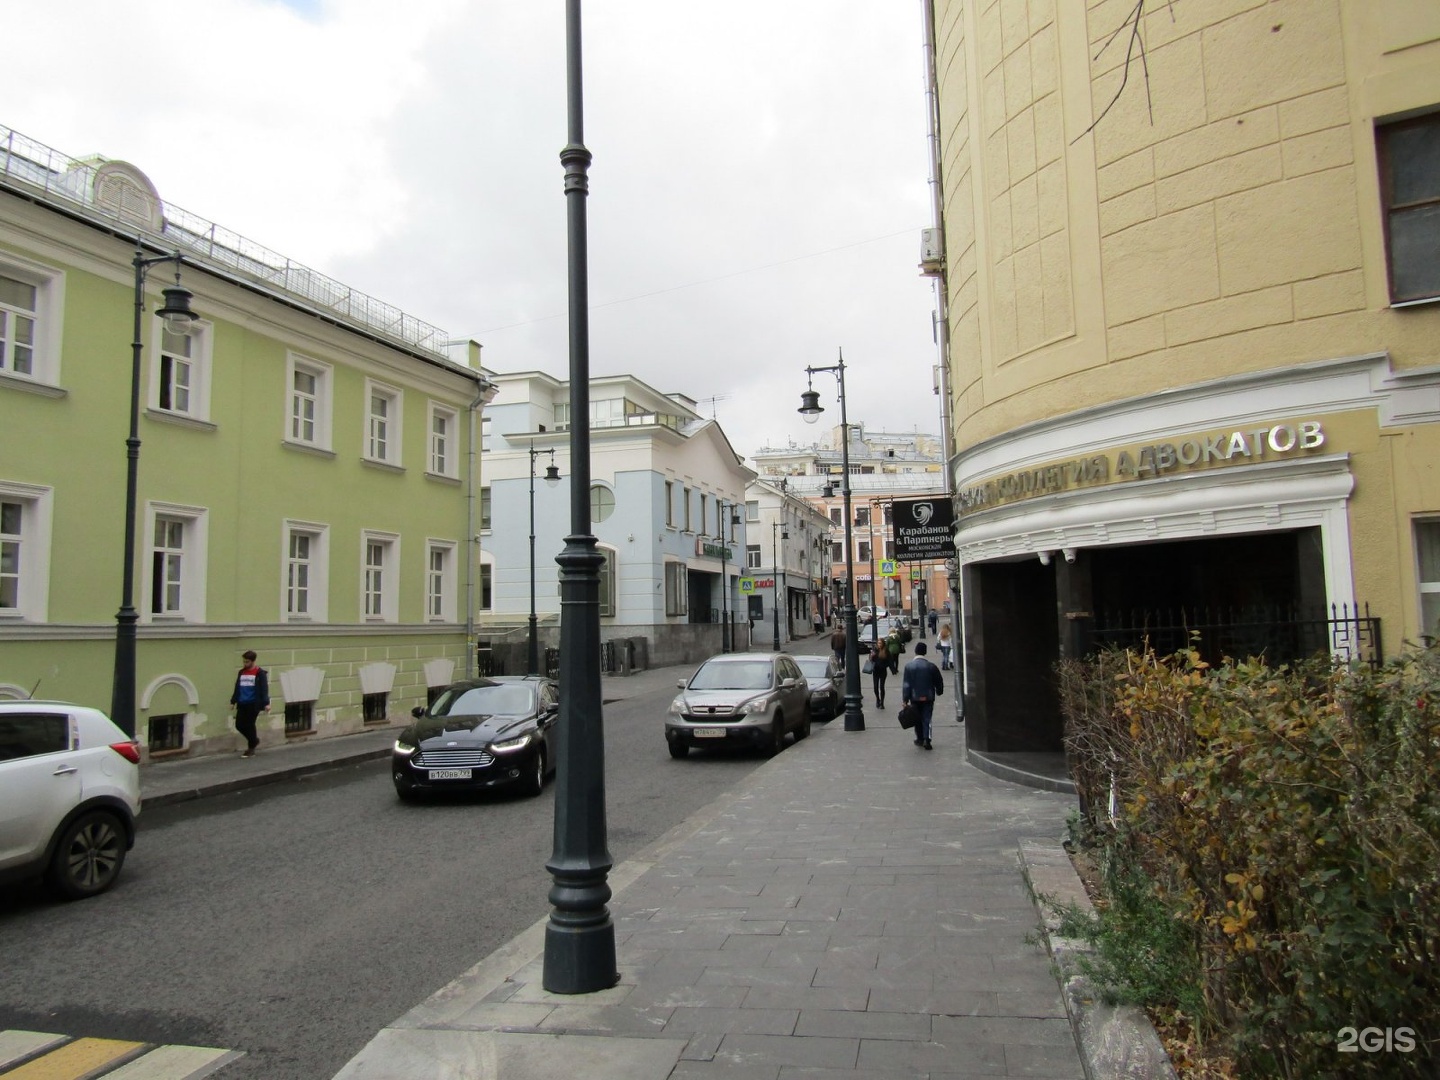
[(932, 252)]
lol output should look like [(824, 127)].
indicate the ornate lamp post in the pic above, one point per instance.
[(810, 409), (775, 580), (178, 318), (552, 477), (579, 938)]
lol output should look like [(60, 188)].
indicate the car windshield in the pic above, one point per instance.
[(733, 675), (483, 700), (814, 667)]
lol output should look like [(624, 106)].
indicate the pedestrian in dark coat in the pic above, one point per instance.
[(837, 645), (920, 685), (883, 662), (251, 695)]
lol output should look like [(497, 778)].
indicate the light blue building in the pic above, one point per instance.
[(667, 501)]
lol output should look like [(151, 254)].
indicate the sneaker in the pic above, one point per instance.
[(248, 753)]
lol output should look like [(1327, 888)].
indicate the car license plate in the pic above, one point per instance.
[(708, 732), (449, 774)]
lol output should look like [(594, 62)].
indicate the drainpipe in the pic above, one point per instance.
[(485, 392)]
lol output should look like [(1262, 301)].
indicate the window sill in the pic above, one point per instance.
[(180, 419), (1396, 305), (444, 478), (383, 466), (308, 448), (31, 386)]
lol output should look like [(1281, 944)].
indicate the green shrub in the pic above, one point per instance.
[(1291, 818)]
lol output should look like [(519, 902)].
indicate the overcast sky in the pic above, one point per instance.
[(758, 188)]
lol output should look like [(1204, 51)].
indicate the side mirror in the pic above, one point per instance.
[(418, 711), (679, 684)]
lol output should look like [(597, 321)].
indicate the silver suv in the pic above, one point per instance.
[(740, 699), (69, 796)]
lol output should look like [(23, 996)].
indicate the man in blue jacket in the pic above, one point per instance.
[(920, 685), (252, 693)]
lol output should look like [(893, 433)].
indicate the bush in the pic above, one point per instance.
[(1290, 818)]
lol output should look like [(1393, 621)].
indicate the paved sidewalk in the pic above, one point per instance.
[(854, 911)]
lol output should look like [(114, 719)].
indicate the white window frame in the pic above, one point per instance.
[(670, 504), (320, 436), (440, 583), (752, 510), (36, 511), (752, 557), (199, 360), (388, 593), (443, 450), (193, 569), (49, 287), (318, 583), (487, 507), (608, 570), (1426, 588), (383, 433), (485, 584), (677, 588)]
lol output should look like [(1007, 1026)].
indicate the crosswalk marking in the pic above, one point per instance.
[(19, 1045), (75, 1059), (40, 1055)]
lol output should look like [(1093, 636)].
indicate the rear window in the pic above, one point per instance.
[(814, 666), (25, 735)]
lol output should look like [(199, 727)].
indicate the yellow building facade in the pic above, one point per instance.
[(1192, 278)]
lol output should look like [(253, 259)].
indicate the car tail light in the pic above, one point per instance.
[(128, 750)]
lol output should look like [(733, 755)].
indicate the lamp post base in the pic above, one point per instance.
[(579, 960)]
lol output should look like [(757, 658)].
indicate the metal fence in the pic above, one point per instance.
[(1279, 635)]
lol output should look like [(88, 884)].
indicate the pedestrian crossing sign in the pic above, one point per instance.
[(747, 586), (887, 568)]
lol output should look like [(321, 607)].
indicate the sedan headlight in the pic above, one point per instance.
[(505, 746), (403, 747)]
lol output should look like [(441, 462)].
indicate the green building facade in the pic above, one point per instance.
[(306, 476)]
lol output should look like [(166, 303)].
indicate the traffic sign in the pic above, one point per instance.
[(747, 585), (887, 568)]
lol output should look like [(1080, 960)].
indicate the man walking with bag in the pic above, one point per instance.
[(920, 685)]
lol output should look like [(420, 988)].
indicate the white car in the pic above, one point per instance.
[(69, 796)]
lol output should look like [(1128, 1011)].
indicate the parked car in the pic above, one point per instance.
[(480, 734), (866, 631), (823, 675), (863, 614), (740, 699), (69, 796)]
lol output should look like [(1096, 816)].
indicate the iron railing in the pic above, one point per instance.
[(1279, 635)]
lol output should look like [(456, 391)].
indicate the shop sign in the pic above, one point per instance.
[(924, 529), (1232, 447), (710, 550)]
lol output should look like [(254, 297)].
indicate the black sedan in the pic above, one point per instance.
[(826, 695), (480, 734)]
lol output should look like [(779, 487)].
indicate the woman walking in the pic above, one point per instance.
[(882, 663), (943, 644)]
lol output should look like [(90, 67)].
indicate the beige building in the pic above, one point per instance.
[(1192, 279)]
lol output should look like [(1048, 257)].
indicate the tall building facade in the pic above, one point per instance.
[(305, 454), (1192, 281)]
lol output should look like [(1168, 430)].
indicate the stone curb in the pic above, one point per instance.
[(259, 779), (1115, 1041)]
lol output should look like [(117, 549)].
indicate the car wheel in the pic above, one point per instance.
[(534, 781), (803, 731), (405, 794), (89, 855), (776, 742), (678, 748)]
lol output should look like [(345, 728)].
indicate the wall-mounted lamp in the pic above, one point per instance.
[(1069, 554), (1045, 557)]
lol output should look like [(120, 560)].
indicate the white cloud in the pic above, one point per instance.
[(755, 202)]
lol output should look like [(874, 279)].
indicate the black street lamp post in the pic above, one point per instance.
[(810, 409), (552, 477), (579, 937), (178, 318)]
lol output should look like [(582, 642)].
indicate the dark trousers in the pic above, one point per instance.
[(245, 715), (878, 677), (923, 710)]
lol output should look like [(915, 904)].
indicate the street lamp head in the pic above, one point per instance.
[(810, 407), (176, 311), (552, 474)]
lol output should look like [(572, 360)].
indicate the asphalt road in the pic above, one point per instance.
[(294, 921)]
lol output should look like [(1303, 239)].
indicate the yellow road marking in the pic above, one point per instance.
[(74, 1060)]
